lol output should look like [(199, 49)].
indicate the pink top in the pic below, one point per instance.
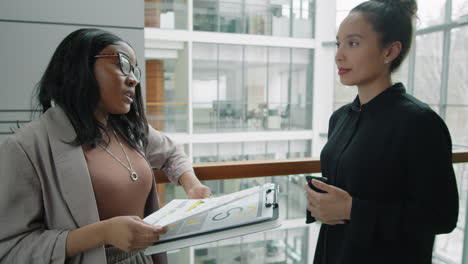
[(116, 193)]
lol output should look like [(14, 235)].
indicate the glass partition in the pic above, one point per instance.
[(257, 150), (430, 13), (282, 18), (167, 14), (255, 75), (457, 120), (205, 86), (457, 92), (303, 15), (281, 246), (300, 107), (251, 88), (279, 72), (459, 9), (166, 89), (427, 78)]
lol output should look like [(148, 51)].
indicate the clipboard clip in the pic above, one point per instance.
[(274, 202)]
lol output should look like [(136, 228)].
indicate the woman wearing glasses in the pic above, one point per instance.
[(77, 182)]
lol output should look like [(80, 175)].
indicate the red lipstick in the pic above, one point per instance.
[(342, 71)]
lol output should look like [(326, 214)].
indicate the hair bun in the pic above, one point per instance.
[(409, 6)]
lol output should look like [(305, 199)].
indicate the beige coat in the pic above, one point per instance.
[(45, 190)]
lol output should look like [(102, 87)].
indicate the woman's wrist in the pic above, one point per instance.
[(87, 237), (102, 232), (193, 187), (188, 180), (349, 207)]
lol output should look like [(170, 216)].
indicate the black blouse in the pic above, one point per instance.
[(393, 155)]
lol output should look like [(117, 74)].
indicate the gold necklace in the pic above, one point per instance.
[(133, 174)]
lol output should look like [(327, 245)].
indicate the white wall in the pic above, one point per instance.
[(30, 31), (117, 13)]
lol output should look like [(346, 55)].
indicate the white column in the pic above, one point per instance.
[(324, 71)]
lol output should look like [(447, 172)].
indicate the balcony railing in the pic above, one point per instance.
[(252, 169)]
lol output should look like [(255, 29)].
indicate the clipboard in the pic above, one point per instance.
[(233, 219)]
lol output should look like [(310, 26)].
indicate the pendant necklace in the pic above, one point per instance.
[(133, 174)]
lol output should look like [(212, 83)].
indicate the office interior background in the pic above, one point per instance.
[(237, 80)]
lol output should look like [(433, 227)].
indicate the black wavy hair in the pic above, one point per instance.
[(393, 21), (69, 81)]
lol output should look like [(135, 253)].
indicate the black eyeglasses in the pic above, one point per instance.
[(125, 66)]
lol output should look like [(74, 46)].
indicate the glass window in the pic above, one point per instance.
[(296, 197), (280, 17), (459, 8), (255, 73), (286, 18), (230, 251), (278, 91), (205, 152), (230, 152), (301, 89), (253, 248), (276, 247), (205, 86), (258, 150), (430, 13), (255, 151), (401, 74), (299, 149), (277, 150), (206, 254), (216, 152), (229, 107), (179, 256), (456, 118), (257, 16), (281, 246), (347, 5), (340, 16), (343, 7), (170, 14), (297, 244), (458, 79), (205, 15), (231, 18), (303, 18), (186, 148), (239, 88), (428, 68), (166, 90)]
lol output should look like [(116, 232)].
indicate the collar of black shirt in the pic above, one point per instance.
[(380, 101)]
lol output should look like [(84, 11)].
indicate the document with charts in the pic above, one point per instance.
[(192, 222)]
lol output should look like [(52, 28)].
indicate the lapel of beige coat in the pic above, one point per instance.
[(71, 168)]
